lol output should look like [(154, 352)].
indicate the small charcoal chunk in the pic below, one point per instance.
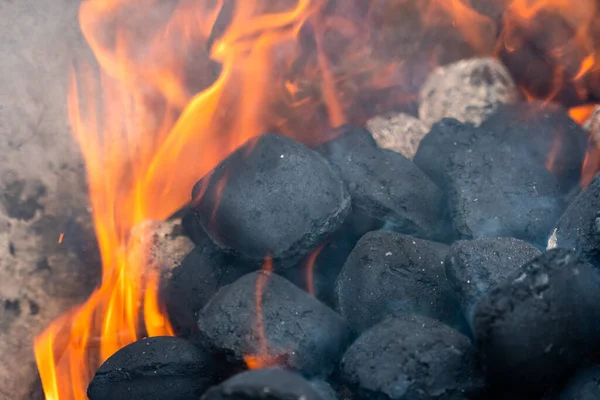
[(272, 196), (391, 274), (584, 385), (579, 227), (475, 266), (468, 90), (267, 384), (547, 133), (444, 139), (299, 331), (538, 326), (496, 191), (386, 186), (412, 358), (155, 368), (193, 283), (399, 132)]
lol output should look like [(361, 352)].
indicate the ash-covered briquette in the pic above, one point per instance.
[(193, 283), (155, 368), (298, 330), (475, 266), (412, 358), (537, 327), (386, 186), (579, 227), (267, 384), (392, 274), (444, 139), (399, 132), (272, 196), (584, 385), (495, 190), (547, 133)]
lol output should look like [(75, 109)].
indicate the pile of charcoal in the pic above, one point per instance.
[(470, 272)]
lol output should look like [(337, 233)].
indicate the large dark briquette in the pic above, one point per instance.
[(386, 186), (191, 285), (579, 227), (272, 196), (538, 326), (475, 266), (389, 274), (265, 384), (444, 139), (412, 358), (547, 133), (495, 190), (300, 331), (584, 385), (156, 368)]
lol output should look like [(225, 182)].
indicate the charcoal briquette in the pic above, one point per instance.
[(579, 227), (538, 326), (475, 266), (386, 186), (584, 385), (155, 368), (547, 133), (324, 389), (264, 384), (390, 274), (495, 190), (412, 358), (273, 196), (298, 330), (193, 283)]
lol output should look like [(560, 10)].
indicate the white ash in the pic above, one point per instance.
[(468, 90), (398, 132), (592, 125)]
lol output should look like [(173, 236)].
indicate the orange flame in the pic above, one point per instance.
[(310, 267)]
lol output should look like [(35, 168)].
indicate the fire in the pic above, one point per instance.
[(179, 85)]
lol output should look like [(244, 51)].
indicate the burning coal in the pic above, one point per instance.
[(183, 96)]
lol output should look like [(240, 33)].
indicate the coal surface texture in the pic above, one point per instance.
[(156, 368), (267, 384), (495, 190), (412, 358), (538, 327), (547, 133), (585, 385), (193, 283), (475, 266), (579, 227), (300, 331), (272, 196), (392, 274), (386, 186), (444, 139)]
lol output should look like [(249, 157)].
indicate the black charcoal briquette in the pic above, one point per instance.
[(273, 196), (388, 274), (475, 266), (297, 329), (264, 384), (412, 358), (156, 368), (386, 186), (537, 327)]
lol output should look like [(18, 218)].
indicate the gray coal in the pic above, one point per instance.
[(475, 266), (155, 368), (273, 196), (386, 186), (264, 384), (579, 227), (496, 191), (536, 328), (299, 331), (392, 274), (412, 358)]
